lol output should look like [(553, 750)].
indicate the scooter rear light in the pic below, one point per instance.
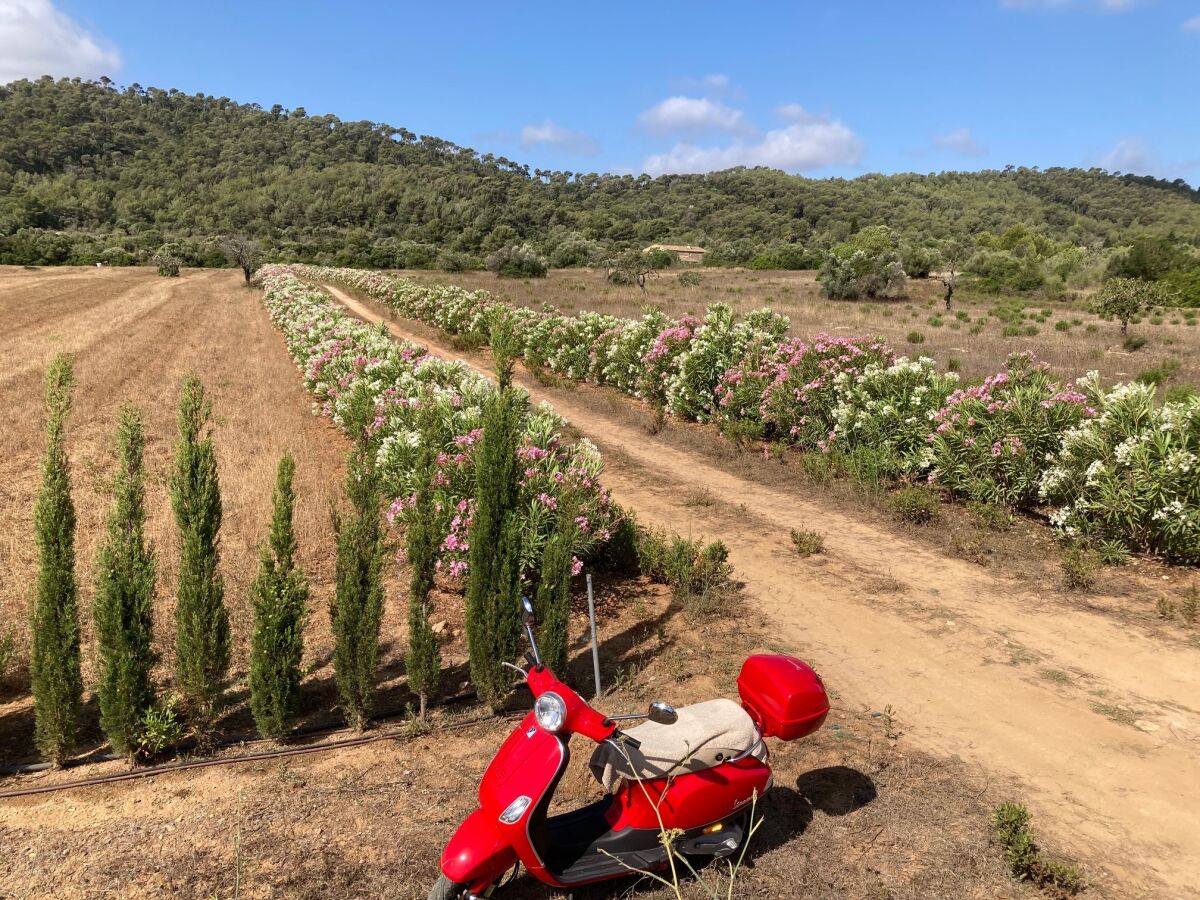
[(512, 814)]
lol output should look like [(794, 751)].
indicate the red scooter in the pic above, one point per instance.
[(698, 770)]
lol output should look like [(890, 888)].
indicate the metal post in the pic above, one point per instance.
[(595, 645)]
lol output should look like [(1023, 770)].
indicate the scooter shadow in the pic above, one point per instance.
[(786, 814)]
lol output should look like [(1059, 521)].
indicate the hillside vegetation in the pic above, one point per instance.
[(91, 172)]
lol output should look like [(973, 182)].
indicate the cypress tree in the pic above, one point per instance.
[(423, 662), (54, 656), (494, 559), (123, 606), (201, 621), (357, 608), (553, 599), (279, 597)]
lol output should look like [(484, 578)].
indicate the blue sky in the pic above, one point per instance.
[(834, 88)]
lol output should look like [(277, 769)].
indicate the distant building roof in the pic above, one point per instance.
[(676, 248)]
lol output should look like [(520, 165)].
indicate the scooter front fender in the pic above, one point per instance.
[(479, 853)]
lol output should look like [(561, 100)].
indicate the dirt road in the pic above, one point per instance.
[(1100, 721)]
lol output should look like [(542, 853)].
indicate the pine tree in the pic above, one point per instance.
[(201, 621), (279, 597), (494, 558), (54, 658), (553, 600), (357, 609), (123, 606), (423, 662)]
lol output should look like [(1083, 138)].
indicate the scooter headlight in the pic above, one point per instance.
[(550, 711)]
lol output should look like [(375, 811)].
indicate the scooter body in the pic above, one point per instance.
[(620, 833)]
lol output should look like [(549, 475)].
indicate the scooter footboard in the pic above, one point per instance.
[(477, 854)]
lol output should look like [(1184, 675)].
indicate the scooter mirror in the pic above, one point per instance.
[(662, 713), (528, 609)]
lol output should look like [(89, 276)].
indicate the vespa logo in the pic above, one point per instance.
[(531, 732)]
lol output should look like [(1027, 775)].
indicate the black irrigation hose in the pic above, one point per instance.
[(304, 731), (231, 760)]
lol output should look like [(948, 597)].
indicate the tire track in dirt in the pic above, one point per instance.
[(943, 650)]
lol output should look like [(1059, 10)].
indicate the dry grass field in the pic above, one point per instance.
[(955, 684), (134, 335), (797, 295)]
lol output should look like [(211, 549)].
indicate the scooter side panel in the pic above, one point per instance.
[(690, 801), (478, 854)]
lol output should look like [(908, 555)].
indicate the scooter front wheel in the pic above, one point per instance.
[(445, 889)]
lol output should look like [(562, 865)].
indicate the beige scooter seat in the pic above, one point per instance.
[(706, 735)]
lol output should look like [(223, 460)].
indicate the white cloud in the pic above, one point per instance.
[(960, 140), (1192, 24), (36, 39), (694, 115), (1129, 155), (557, 136), (810, 142)]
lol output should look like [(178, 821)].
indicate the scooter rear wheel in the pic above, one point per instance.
[(445, 889)]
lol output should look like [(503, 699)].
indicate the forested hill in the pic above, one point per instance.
[(141, 165)]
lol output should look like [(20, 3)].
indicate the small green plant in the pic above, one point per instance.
[(1112, 553), (1165, 609), (690, 279), (916, 504), (1062, 325), (916, 337), (1079, 568), (1133, 344), (1156, 375), (808, 542), (161, 727), (1179, 393), (934, 322), (954, 364), (1091, 328), (1189, 606), (992, 516), (1025, 859)]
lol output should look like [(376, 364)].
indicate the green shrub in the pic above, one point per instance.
[(54, 655), (422, 663), (1129, 474), (1133, 343), (889, 409), (279, 599), (1062, 325), (357, 608), (1079, 568), (916, 504), (494, 563), (934, 322), (1023, 856), (867, 265), (991, 442), (552, 602), (1164, 371), (690, 279), (124, 604), (201, 622), (160, 727), (517, 261), (992, 516), (808, 542), (1112, 553), (166, 260), (1180, 393), (915, 337)]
